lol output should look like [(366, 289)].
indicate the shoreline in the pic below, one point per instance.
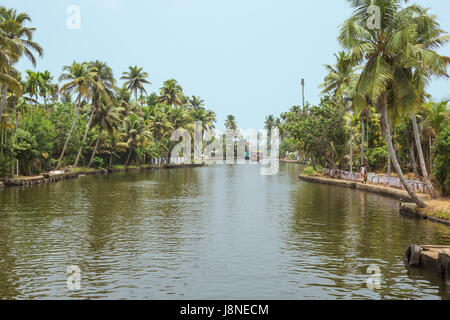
[(47, 178), (406, 207)]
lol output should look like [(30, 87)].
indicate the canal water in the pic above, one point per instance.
[(221, 232)]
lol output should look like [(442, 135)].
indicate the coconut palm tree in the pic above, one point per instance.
[(45, 85), (385, 54), (16, 40), (230, 122), (437, 114), (427, 37), (107, 118), (135, 80), (171, 93), (31, 87), (196, 103), (135, 133), (269, 124), (341, 77), (101, 87), (79, 77)]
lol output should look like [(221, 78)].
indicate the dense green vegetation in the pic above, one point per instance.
[(375, 109), (86, 118)]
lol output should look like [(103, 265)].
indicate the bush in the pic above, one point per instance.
[(309, 171), (377, 157), (97, 162), (441, 169)]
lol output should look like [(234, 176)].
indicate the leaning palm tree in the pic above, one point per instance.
[(79, 77), (135, 80), (385, 54), (107, 117), (101, 87), (427, 37), (135, 133), (16, 40)]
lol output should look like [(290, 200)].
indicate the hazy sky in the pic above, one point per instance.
[(243, 57)]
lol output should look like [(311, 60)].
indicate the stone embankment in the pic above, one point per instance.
[(435, 259), (55, 177)]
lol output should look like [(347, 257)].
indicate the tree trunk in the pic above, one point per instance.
[(129, 156), (392, 155), (351, 148), (168, 156), (423, 167), (313, 162), (362, 139), (88, 126), (3, 100), (69, 136), (412, 156), (389, 168), (95, 148), (431, 154)]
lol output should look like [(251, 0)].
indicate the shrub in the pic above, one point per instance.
[(97, 162), (309, 171)]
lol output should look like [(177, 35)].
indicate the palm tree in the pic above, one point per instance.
[(171, 93), (16, 40), (230, 122), (428, 37), (135, 80), (80, 78), (101, 87), (341, 77), (32, 87), (437, 114), (385, 54), (45, 85), (268, 125), (135, 133), (196, 103), (107, 118)]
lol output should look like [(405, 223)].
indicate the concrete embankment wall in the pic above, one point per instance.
[(46, 178), (393, 193), (382, 180)]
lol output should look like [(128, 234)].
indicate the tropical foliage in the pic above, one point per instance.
[(86, 118), (375, 110)]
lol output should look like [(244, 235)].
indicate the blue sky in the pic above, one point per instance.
[(243, 57)]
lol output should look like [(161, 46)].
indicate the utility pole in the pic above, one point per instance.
[(303, 92)]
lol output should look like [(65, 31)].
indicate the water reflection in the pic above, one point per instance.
[(216, 232)]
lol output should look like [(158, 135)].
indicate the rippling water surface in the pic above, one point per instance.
[(221, 232)]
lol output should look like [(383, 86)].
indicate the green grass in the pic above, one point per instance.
[(309, 171), (81, 169)]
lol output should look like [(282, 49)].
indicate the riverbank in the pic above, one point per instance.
[(437, 210), (435, 259), (78, 172)]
